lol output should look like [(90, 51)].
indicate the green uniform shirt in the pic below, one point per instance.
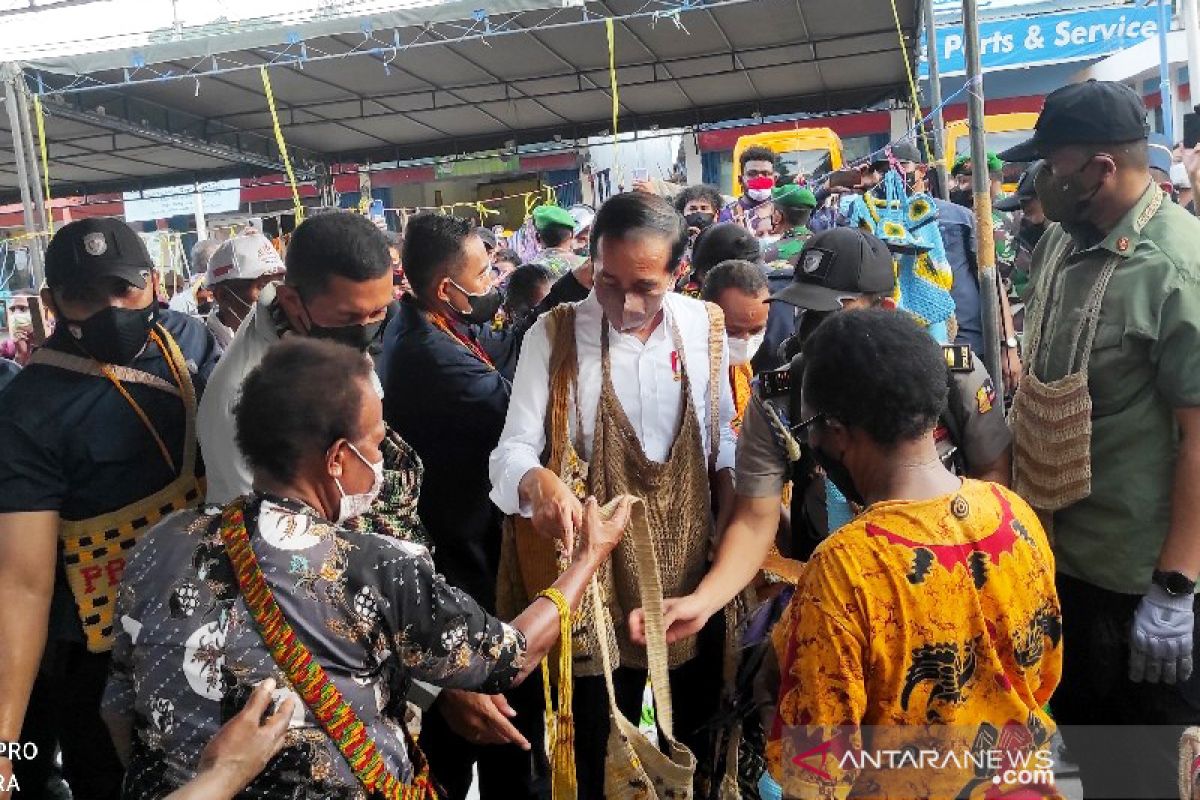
[(1145, 363), (789, 246)]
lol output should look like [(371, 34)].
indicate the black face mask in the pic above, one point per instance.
[(483, 306), (962, 197), (362, 338), (114, 335), (700, 220), (1031, 234), (204, 309), (839, 476)]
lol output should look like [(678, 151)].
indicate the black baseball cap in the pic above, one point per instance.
[(901, 151), (1026, 189), (836, 264), (100, 247), (724, 242), (1092, 112)]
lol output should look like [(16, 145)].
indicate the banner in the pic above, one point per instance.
[(173, 201), (1045, 38)]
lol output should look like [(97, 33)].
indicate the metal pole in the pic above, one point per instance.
[(935, 99), (10, 75), (41, 213), (1190, 14), (1164, 71), (981, 186)]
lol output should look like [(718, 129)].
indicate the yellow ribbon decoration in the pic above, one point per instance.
[(530, 202), (560, 722), (483, 210), (41, 129), (616, 98), (287, 162), (912, 84)]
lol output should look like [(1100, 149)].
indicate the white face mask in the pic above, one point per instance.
[(742, 350), (355, 505), (758, 195)]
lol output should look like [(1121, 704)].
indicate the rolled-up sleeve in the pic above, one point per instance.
[(727, 442), (524, 435), (762, 465)]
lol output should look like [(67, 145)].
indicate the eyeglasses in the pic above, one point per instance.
[(801, 429)]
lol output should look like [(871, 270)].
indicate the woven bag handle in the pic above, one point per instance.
[(650, 587), (563, 367), (716, 352)]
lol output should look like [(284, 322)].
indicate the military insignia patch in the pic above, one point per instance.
[(95, 244), (986, 396)]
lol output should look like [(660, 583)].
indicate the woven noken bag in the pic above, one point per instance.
[(634, 767)]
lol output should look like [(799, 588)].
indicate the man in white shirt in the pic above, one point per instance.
[(646, 415), (337, 285), (237, 273)]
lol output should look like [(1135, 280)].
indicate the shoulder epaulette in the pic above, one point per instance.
[(959, 357)]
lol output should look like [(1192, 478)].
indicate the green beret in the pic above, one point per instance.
[(793, 196), (962, 164), (546, 215)]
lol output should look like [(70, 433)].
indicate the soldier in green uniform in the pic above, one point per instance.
[(1107, 436), (794, 206)]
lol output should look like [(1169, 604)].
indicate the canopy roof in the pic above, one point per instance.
[(434, 81)]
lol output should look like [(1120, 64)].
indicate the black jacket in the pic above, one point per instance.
[(450, 407)]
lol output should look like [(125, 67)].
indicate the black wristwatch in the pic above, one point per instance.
[(1175, 584)]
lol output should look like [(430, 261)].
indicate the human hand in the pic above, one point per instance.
[(480, 718), (601, 537), (644, 186), (557, 512), (1160, 644), (682, 617), (1191, 162), (244, 745), (1012, 369)]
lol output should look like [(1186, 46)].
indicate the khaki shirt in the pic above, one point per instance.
[(762, 460), (1145, 363)]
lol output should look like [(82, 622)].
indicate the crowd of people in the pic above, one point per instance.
[(693, 503)]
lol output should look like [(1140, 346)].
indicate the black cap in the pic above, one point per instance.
[(488, 236), (94, 248), (1026, 189), (901, 151), (836, 264), (723, 242), (1093, 112)]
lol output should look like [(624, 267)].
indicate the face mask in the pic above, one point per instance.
[(205, 308), (483, 306), (741, 351), (962, 197), (361, 337), (627, 312), (232, 307), (20, 319), (759, 188), (1064, 198), (838, 475), (114, 335), (700, 219), (355, 505), (582, 251)]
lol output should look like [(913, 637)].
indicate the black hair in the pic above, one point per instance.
[(725, 241), (701, 191), (876, 370), (338, 243), (433, 243), (508, 255), (733, 274), (554, 235), (522, 284), (795, 216), (640, 212), (302, 397), (756, 153)]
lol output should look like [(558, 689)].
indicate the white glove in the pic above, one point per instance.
[(1160, 644)]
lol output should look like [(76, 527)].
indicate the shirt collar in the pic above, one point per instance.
[(1123, 239)]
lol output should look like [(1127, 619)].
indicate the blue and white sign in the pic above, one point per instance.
[(1045, 38)]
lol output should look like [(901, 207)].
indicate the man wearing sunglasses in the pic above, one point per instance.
[(845, 268)]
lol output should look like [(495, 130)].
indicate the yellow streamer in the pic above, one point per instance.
[(912, 83), (287, 162), (41, 129), (616, 95), (484, 211), (530, 202), (560, 723)]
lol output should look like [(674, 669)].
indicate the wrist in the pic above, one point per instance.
[(1173, 582)]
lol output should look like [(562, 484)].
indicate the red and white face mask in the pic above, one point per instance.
[(759, 188)]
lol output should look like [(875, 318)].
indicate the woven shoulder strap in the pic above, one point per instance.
[(716, 352), (306, 675), (88, 366), (564, 369)]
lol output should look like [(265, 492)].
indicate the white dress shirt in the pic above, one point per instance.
[(645, 380)]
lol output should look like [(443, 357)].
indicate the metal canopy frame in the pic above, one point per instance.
[(451, 88)]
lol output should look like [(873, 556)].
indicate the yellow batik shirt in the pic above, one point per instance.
[(930, 628)]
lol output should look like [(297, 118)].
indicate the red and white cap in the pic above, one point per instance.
[(244, 258)]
